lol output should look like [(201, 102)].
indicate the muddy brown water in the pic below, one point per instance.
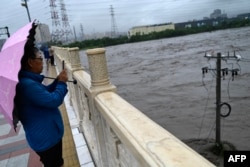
[(163, 79)]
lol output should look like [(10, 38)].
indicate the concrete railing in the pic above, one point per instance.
[(117, 133)]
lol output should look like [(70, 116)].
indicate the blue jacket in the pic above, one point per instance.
[(38, 110)]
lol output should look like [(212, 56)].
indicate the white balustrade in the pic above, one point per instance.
[(117, 133)]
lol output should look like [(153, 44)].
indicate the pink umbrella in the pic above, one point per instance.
[(10, 56)]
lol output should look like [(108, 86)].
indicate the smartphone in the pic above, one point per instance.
[(63, 65)]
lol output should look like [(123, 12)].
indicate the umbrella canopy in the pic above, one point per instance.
[(10, 56)]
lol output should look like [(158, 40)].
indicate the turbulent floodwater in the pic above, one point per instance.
[(163, 79)]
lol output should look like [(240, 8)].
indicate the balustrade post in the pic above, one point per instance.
[(74, 59), (66, 57), (73, 63), (99, 83), (98, 67), (57, 55)]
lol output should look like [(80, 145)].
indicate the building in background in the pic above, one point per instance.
[(143, 30), (217, 14), (42, 33), (244, 16), (198, 23)]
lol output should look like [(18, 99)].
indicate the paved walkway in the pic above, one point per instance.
[(15, 152)]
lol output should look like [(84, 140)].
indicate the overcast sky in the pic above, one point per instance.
[(95, 15)]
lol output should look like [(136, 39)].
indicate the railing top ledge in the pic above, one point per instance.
[(73, 49), (95, 51)]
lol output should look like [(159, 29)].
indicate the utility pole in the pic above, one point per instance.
[(113, 23), (75, 33), (219, 104), (65, 22), (218, 98), (25, 4), (82, 32), (56, 26)]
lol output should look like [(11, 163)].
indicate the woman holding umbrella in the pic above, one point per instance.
[(36, 106)]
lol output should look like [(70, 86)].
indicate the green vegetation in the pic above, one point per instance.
[(106, 41), (103, 42)]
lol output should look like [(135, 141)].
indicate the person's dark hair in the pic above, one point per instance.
[(29, 52), (29, 49)]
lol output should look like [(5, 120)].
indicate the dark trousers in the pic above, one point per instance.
[(52, 60), (53, 156)]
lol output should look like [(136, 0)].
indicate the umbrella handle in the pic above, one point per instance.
[(74, 81)]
